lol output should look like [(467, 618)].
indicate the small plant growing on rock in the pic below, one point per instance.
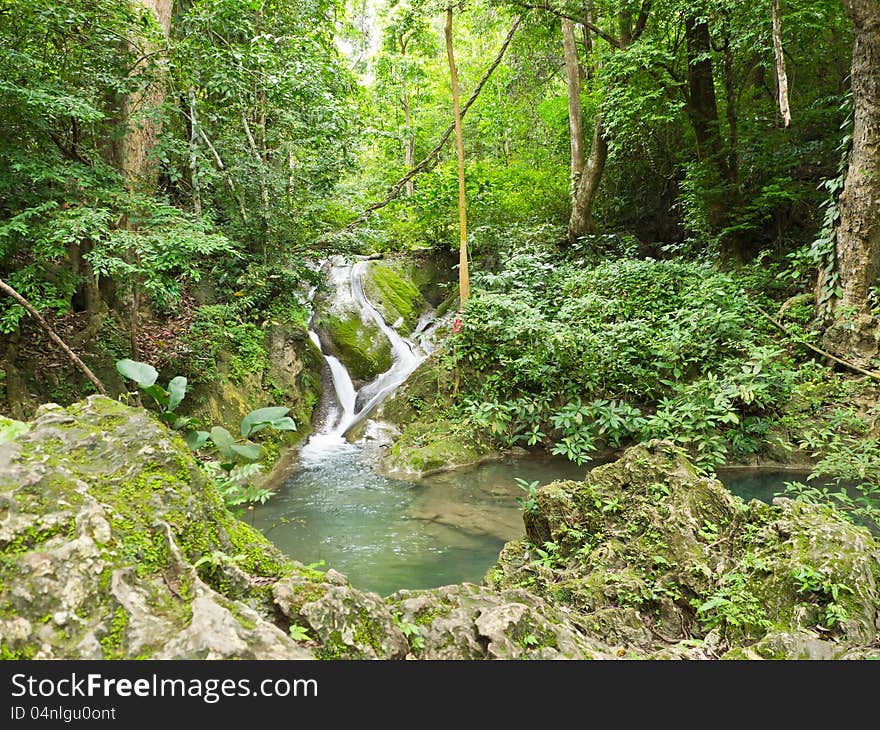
[(528, 503), (412, 632)]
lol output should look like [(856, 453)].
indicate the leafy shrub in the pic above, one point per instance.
[(575, 357)]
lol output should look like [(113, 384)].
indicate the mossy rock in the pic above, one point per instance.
[(394, 294), (651, 535), (360, 345), (423, 448), (105, 516)]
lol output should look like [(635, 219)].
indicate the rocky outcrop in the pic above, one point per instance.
[(115, 544), (104, 516), (652, 556)]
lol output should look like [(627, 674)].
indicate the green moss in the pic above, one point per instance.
[(363, 349), (423, 447), (368, 632), (112, 643), (333, 647), (398, 296)]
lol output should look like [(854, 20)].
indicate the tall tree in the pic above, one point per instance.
[(464, 285), (855, 332), (143, 104), (581, 221), (575, 113)]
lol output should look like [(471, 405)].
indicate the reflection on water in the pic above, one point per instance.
[(386, 534)]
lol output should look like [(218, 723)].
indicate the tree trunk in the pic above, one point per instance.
[(464, 284), (581, 222), (194, 154), (702, 106), (781, 75), (575, 114), (855, 332), (409, 142), (143, 128)]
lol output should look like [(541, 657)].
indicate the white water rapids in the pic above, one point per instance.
[(351, 406)]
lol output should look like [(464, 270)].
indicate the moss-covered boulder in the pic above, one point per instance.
[(347, 623), (357, 342), (391, 290), (113, 544), (424, 448), (650, 554)]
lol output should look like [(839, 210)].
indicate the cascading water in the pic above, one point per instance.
[(352, 406)]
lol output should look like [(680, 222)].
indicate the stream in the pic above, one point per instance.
[(385, 534)]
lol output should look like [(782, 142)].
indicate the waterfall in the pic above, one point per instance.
[(353, 406)]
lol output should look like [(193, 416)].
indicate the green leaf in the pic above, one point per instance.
[(258, 419), (177, 390), (224, 442), (140, 372), (157, 393), (11, 429), (284, 424), (248, 452), (196, 439)]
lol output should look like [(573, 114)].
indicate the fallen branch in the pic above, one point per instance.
[(434, 155), (817, 350), (6, 289)]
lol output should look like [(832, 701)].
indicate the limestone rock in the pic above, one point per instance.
[(473, 622)]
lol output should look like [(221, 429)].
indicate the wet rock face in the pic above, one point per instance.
[(347, 332)]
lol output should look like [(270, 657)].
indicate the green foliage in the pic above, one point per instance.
[(159, 251), (528, 503), (219, 334), (236, 469), (812, 583), (235, 485), (733, 605), (298, 633), (577, 357), (411, 631)]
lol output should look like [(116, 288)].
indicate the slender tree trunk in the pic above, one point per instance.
[(575, 113), (781, 75), (732, 119), (409, 142), (140, 108), (581, 222), (227, 177), (464, 284), (194, 154), (855, 333)]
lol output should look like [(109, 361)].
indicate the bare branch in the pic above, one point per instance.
[(434, 155), (44, 325)]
